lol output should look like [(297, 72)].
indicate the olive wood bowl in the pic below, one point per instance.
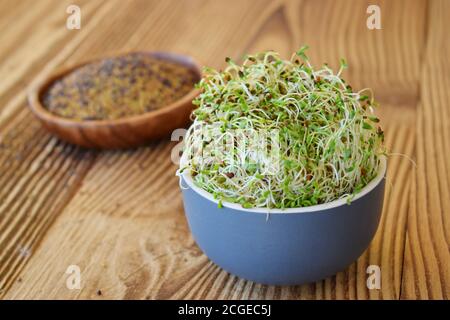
[(126, 132)]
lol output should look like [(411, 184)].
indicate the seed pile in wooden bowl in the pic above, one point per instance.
[(119, 87)]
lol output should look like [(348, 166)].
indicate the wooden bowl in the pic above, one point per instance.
[(127, 132)]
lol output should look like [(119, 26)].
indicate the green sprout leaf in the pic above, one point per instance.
[(301, 52), (367, 126)]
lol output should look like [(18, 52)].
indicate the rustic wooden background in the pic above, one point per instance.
[(118, 215)]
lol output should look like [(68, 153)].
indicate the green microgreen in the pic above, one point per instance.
[(330, 140)]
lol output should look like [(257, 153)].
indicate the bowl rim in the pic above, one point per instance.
[(36, 91), (319, 207)]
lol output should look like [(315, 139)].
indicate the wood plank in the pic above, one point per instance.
[(427, 256), (89, 199), (39, 33), (38, 173)]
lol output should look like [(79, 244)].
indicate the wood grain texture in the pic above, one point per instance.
[(118, 214), (34, 55), (427, 255)]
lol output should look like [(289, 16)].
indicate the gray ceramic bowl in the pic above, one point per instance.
[(286, 247)]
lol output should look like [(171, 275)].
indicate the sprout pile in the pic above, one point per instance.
[(330, 141)]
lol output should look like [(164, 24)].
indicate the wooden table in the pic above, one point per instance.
[(118, 215)]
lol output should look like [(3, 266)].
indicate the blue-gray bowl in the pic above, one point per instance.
[(284, 247)]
